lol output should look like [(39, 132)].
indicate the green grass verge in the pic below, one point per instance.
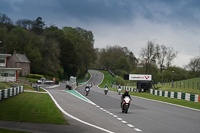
[(11, 131), (31, 107), (108, 79), (26, 87), (4, 85)]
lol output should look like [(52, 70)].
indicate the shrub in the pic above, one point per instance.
[(121, 81), (35, 76)]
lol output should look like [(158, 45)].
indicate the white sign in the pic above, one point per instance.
[(140, 77)]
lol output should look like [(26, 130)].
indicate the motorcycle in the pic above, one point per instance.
[(106, 90), (119, 91), (87, 90), (125, 104)]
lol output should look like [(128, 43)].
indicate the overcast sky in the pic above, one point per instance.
[(127, 23)]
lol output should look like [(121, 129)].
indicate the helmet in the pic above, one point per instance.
[(127, 91)]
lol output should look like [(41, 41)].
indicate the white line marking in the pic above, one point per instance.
[(130, 125), (124, 122), (136, 129), (119, 119), (54, 86), (115, 116), (34, 91), (97, 106), (111, 113), (71, 116)]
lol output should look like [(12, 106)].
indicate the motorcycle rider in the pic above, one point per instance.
[(119, 87), (106, 86), (126, 94), (87, 86)]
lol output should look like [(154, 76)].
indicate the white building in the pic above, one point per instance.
[(7, 74)]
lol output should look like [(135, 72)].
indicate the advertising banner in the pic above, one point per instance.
[(141, 77)]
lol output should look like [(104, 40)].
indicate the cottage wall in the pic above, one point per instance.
[(14, 62)]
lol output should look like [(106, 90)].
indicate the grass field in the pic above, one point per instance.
[(108, 79), (31, 107), (11, 131), (185, 86)]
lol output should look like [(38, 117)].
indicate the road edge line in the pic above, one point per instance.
[(73, 117)]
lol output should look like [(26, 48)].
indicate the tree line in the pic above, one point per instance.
[(154, 59), (55, 52), (70, 51)]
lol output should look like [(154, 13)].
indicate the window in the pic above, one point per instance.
[(7, 73), (2, 60)]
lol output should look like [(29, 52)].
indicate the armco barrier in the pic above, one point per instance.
[(6, 93), (178, 95)]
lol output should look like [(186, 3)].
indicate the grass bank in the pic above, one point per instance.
[(178, 89), (31, 107), (11, 131), (108, 79)]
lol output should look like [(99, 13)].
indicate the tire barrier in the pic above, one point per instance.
[(6, 93), (178, 95), (128, 88)]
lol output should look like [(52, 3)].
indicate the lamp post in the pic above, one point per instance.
[(145, 65), (172, 79), (162, 76)]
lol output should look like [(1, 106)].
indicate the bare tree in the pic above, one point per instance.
[(148, 53), (194, 64), (25, 23), (171, 54), (162, 56)]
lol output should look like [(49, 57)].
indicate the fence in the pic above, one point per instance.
[(183, 84), (178, 95), (6, 93)]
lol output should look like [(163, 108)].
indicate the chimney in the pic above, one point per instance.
[(14, 52)]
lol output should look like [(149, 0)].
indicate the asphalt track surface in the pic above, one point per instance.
[(105, 114)]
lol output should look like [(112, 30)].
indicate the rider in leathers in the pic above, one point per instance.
[(87, 86), (124, 95)]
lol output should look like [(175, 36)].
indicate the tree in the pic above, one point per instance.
[(149, 55), (171, 54), (81, 41), (6, 22), (17, 39), (38, 25), (162, 57), (25, 23), (4, 19), (110, 54), (122, 64), (194, 64)]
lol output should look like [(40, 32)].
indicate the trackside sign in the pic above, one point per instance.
[(140, 77)]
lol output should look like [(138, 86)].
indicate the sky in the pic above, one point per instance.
[(126, 23)]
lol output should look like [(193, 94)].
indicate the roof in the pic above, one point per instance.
[(22, 58), (9, 69), (5, 55)]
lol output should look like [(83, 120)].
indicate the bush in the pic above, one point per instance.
[(121, 81), (35, 76)]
